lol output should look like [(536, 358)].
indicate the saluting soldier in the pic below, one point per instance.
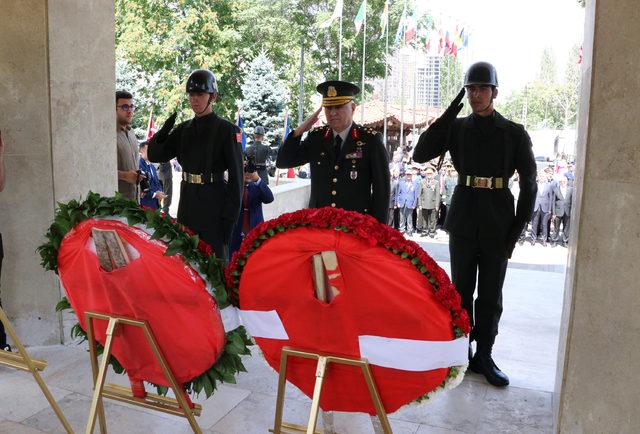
[(206, 147), (349, 165), (259, 153), (483, 226)]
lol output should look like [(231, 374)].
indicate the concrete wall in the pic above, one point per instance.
[(289, 196), (598, 381), (57, 84)]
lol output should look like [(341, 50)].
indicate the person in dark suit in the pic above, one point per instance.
[(406, 201), (349, 164), (542, 210), (255, 193), (259, 152), (562, 196), (482, 223), (206, 147), (151, 193), (392, 220)]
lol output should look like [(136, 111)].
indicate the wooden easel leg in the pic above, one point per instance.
[(177, 389), (373, 391), (93, 354), (282, 383), (317, 391), (36, 375), (96, 402)]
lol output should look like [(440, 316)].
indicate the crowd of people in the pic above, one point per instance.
[(420, 195)]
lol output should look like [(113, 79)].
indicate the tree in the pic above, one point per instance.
[(263, 98), (451, 79), (546, 102), (548, 70)]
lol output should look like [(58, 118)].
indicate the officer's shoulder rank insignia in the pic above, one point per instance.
[(316, 130)]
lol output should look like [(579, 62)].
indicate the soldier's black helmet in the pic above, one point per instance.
[(482, 73), (202, 80), (259, 130)]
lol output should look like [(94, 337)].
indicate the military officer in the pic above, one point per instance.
[(482, 223), (206, 147), (349, 165), (259, 153)]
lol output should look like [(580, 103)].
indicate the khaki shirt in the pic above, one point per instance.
[(128, 157)]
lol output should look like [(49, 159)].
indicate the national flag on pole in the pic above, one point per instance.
[(337, 13), (580, 55), (384, 18), (360, 16), (401, 24), (241, 137), (287, 127), (410, 29), (151, 127)]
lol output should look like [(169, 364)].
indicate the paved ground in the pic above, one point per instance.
[(526, 349)]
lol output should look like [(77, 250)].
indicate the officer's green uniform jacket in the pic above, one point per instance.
[(357, 180)]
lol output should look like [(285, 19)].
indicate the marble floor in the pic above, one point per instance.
[(526, 349)]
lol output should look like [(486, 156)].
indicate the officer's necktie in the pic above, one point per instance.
[(337, 146)]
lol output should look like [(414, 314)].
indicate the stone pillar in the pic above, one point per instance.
[(57, 83), (597, 378)]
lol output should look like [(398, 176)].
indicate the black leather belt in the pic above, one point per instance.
[(482, 182), (198, 178)]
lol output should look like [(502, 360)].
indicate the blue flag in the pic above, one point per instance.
[(240, 125), (287, 127)]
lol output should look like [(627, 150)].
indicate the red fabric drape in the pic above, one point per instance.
[(380, 294), (162, 290)]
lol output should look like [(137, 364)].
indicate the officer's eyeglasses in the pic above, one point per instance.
[(126, 107)]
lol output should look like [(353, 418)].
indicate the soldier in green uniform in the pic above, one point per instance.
[(206, 147), (349, 164), (482, 223)]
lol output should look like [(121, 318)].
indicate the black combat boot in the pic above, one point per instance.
[(483, 364)]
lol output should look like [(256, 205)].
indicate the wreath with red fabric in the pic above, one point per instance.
[(374, 234), (176, 240)]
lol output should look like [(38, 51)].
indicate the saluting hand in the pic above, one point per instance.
[(307, 124), (454, 108)]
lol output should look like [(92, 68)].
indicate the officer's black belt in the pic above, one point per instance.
[(482, 182), (198, 178)]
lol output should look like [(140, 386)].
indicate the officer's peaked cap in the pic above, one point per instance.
[(482, 73), (202, 80), (335, 93)]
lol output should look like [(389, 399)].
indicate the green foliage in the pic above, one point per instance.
[(263, 98), (547, 102), (451, 79), (159, 42)]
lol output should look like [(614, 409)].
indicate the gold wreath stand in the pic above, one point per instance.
[(321, 369), (23, 362), (176, 407)]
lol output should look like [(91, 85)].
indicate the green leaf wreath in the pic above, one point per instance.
[(179, 240)]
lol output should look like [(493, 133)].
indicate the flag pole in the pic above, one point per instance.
[(364, 48), (149, 123), (340, 50), (386, 73), (415, 90)]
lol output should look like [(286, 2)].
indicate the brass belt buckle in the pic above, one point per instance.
[(481, 182)]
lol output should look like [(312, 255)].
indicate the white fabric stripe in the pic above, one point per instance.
[(230, 318), (414, 355), (263, 324)]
